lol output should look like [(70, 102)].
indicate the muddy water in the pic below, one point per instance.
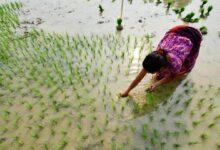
[(166, 118), (75, 17)]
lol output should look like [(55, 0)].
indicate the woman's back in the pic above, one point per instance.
[(181, 45)]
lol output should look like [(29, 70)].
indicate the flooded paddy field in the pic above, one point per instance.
[(63, 65)]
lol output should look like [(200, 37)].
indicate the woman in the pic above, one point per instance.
[(175, 56)]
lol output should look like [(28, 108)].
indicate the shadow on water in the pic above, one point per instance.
[(144, 102)]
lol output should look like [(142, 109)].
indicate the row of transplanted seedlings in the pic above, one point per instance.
[(92, 61), (46, 80), (188, 119), (190, 17), (204, 12), (6, 113)]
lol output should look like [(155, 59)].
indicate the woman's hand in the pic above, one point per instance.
[(159, 82), (138, 79), (124, 94), (151, 88)]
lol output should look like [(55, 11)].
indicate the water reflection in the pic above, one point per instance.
[(161, 95)]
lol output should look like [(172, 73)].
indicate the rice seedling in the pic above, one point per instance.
[(212, 107), (16, 122), (94, 118), (62, 144), (64, 133), (178, 113), (179, 11), (203, 30), (46, 147), (123, 104), (202, 12), (209, 9), (80, 115), (150, 98), (114, 105), (79, 126), (119, 26), (40, 127), (187, 132), (70, 122), (6, 112), (29, 127), (31, 148), (106, 120), (169, 3), (176, 145), (158, 2), (113, 146), (216, 118), (204, 114), (193, 142), (93, 109), (98, 131), (84, 136), (162, 120), (136, 108), (189, 18), (156, 133), (2, 140), (196, 123), (204, 136), (151, 117), (144, 132), (53, 122), (35, 135), (176, 134), (52, 93), (178, 124), (153, 141), (29, 107), (203, 3), (52, 132), (177, 101), (18, 141), (133, 128), (116, 130), (100, 9), (3, 130)]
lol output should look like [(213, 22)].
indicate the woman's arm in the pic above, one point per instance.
[(164, 80), (182, 73), (139, 77)]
